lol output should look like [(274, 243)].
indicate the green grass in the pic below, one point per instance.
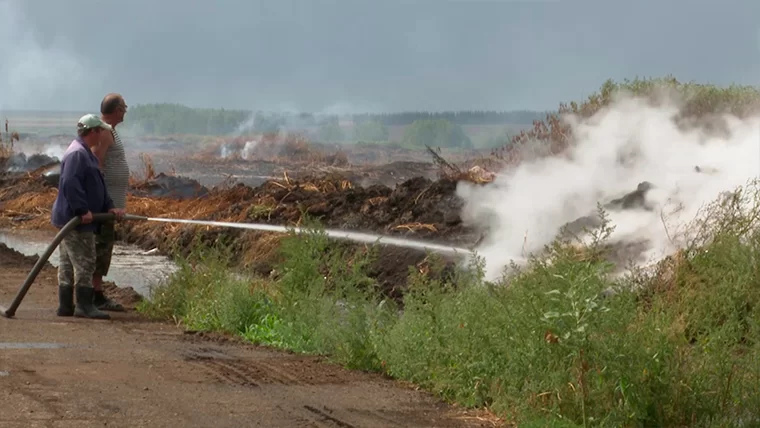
[(542, 347)]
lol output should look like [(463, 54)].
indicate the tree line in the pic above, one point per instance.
[(475, 117), (167, 118)]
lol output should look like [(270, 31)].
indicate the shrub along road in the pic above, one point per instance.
[(134, 372)]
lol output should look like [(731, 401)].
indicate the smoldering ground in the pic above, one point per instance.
[(630, 142)]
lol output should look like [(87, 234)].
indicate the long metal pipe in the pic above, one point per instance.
[(10, 311)]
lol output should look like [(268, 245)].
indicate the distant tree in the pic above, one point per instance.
[(436, 132), (305, 119), (267, 123), (518, 117), (161, 119), (330, 131), (167, 118), (372, 130)]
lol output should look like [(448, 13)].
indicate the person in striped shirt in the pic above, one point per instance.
[(113, 162)]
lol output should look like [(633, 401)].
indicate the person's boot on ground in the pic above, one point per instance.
[(65, 297), (85, 307), (101, 301), (77, 260)]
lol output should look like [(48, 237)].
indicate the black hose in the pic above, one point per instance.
[(10, 311)]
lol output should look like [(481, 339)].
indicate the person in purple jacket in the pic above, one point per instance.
[(81, 192)]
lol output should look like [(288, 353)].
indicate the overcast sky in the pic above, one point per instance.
[(362, 55)]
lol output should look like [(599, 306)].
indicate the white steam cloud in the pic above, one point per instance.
[(54, 151), (247, 152), (526, 207), (248, 149)]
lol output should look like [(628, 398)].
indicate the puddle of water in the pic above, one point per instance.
[(28, 345), (130, 266)]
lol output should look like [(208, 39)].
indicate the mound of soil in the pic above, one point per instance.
[(418, 208), (18, 162), (47, 176), (12, 258), (393, 173), (16, 184), (126, 296), (52, 175), (633, 200), (169, 186)]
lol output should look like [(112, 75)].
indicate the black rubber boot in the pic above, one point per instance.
[(103, 303), (65, 301), (85, 307)]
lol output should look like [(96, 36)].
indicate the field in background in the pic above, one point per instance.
[(44, 124), (301, 148), (41, 124), (482, 136)]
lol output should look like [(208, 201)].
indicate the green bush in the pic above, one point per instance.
[(330, 131), (371, 130), (436, 133), (323, 303)]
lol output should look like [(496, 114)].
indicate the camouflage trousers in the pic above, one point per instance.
[(104, 241), (76, 259)]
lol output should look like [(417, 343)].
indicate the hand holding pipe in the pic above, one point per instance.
[(10, 311)]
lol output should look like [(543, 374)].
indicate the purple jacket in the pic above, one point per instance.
[(81, 187)]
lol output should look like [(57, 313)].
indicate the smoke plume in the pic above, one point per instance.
[(33, 74), (629, 142)]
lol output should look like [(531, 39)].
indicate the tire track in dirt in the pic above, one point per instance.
[(47, 403), (377, 416), (230, 370), (324, 417), (40, 391), (233, 372), (246, 372)]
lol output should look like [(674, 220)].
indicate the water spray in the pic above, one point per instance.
[(10, 311), (368, 238)]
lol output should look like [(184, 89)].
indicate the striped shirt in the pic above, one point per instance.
[(116, 171)]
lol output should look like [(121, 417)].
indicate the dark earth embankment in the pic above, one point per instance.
[(418, 209)]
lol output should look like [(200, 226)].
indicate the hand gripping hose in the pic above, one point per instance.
[(10, 311)]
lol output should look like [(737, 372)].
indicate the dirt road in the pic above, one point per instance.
[(131, 372)]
